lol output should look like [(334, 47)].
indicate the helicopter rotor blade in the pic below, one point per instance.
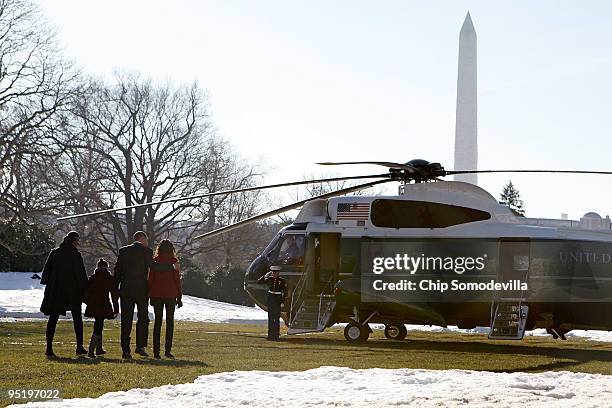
[(451, 172), (238, 190), (283, 209), (390, 165)]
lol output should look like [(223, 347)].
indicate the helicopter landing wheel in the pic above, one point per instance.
[(395, 331), (354, 332)]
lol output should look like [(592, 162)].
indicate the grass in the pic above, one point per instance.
[(203, 348)]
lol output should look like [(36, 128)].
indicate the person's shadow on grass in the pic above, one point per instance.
[(147, 361)]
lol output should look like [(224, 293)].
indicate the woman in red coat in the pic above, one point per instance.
[(100, 284), (165, 291)]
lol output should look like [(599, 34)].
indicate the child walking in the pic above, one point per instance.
[(100, 285)]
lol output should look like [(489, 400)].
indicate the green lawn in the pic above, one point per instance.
[(210, 348)]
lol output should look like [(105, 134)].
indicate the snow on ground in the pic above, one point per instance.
[(345, 387), (20, 298), (205, 310), (595, 335)]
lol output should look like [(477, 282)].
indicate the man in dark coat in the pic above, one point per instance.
[(66, 279), (131, 273), (277, 290)]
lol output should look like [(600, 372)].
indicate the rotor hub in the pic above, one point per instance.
[(418, 170)]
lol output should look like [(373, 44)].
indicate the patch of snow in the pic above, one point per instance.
[(205, 310), (595, 335), (346, 387)]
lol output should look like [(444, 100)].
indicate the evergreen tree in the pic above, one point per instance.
[(511, 198), (23, 247), (224, 283)]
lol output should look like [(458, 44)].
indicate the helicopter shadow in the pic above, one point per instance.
[(576, 355)]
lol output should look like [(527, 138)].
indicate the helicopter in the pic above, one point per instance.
[(438, 253)]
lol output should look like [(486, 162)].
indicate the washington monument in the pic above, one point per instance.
[(466, 130)]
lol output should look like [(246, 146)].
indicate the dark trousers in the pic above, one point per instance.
[(77, 321), (274, 310), (142, 324), (158, 306), (98, 326)]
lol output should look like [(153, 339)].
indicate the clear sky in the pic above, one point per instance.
[(296, 82)]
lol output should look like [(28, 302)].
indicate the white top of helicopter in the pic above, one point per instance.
[(322, 216)]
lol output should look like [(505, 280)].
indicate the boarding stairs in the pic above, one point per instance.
[(509, 311), (509, 319), (310, 313)]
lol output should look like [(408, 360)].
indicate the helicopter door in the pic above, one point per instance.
[(327, 261), (509, 310), (514, 260)]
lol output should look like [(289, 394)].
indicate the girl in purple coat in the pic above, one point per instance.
[(100, 285)]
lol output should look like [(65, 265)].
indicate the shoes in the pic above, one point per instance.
[(92, 346), (552, 332), (49, 353), (80, 351), (156, 355), (99, 349), (167, 354), (141, 351), (126, 355)]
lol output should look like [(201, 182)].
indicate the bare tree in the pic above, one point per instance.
[(222, 169), (75, 182), (149, 141), (35, 85)]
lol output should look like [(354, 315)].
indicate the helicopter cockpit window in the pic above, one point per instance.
[(422, 214), (288, 250), (292, 250), (272, 248)]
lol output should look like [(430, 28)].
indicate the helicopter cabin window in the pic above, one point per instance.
[(422, 214)]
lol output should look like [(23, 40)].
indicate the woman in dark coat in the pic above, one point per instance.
[(65, 279), (100, 285)]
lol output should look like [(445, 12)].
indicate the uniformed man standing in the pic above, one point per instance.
[(277, 289)]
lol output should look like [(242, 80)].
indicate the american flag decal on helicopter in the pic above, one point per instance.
[(353, 211)]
